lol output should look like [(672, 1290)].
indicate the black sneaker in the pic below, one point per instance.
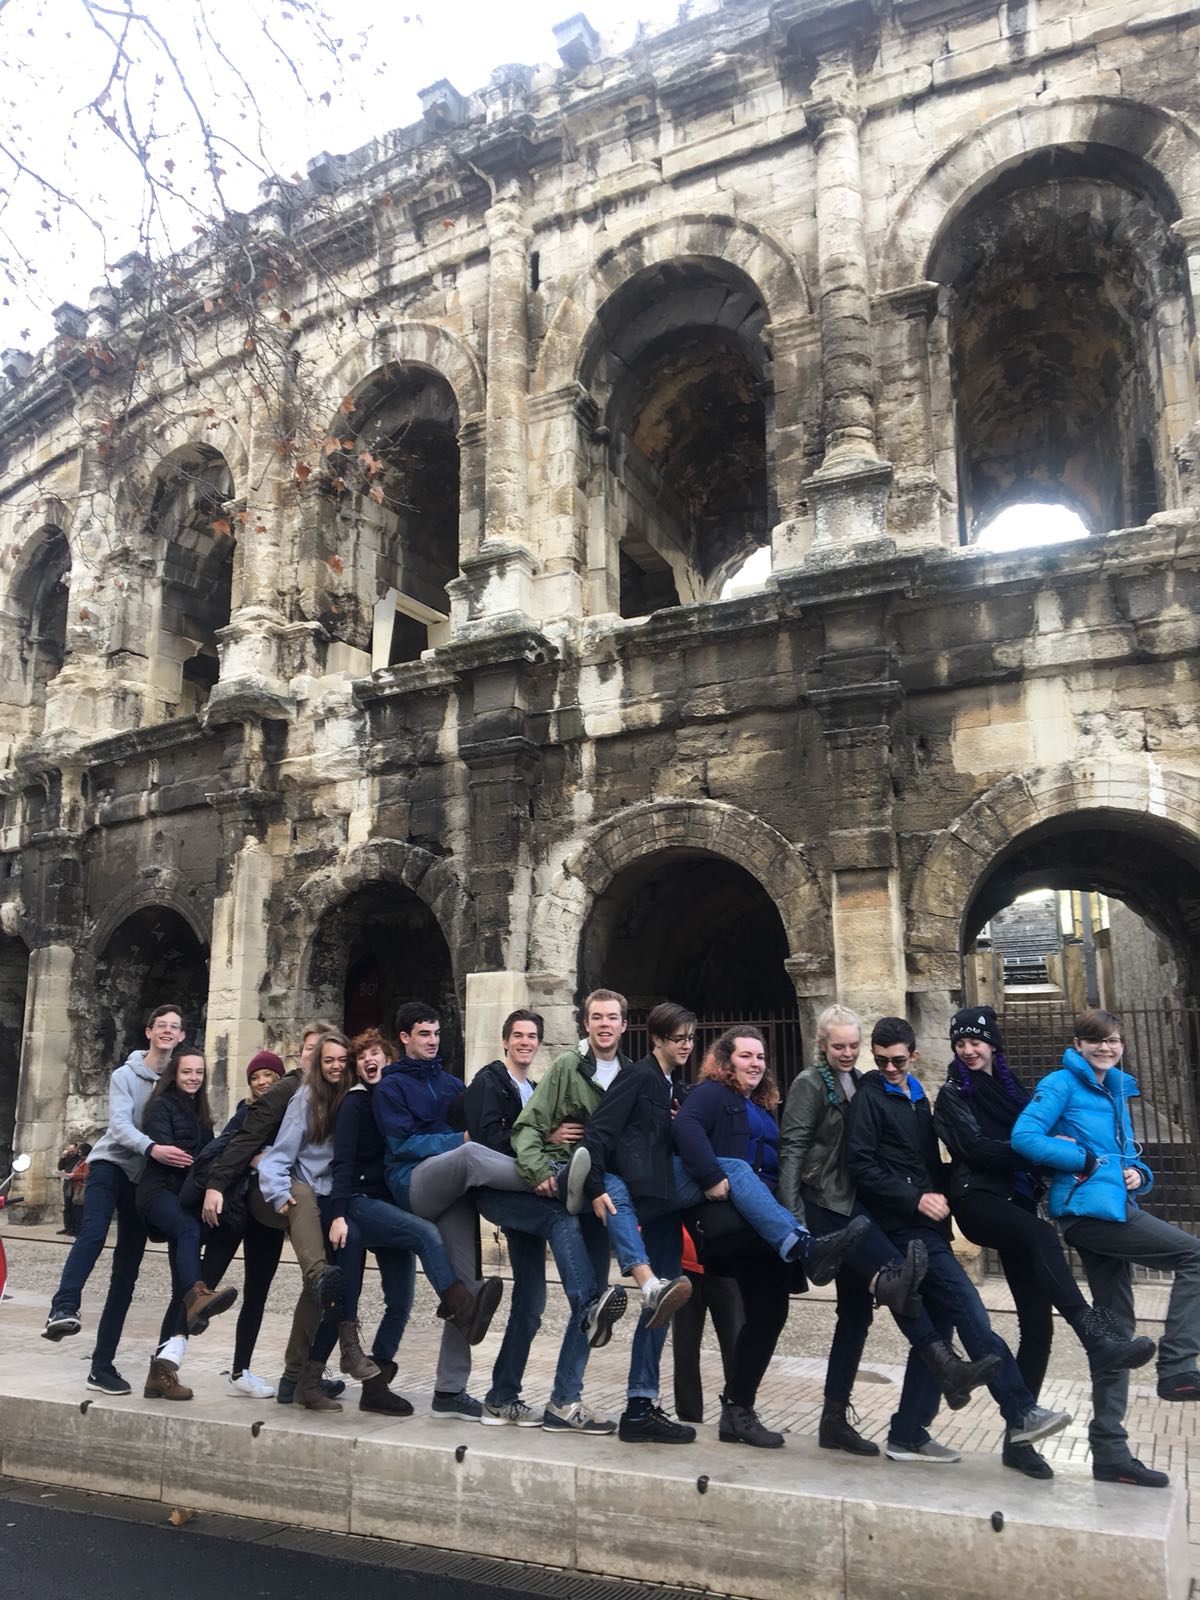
[(327, 1292), (60, 1325), (1180, 1386), (461, 1405), (602, 1314), (1131, 1471), (822, 1257), (285, 1389), (1024, 1458), (108, 1380), (649, 1424)]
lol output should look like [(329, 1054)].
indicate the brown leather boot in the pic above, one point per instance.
[(162, 1382), (201, 1302), (471, 1313), (355, 1362), (309, 1393)]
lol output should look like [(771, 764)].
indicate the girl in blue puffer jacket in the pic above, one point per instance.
[(1077, 1126)]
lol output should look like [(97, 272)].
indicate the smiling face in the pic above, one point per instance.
[(843, 1045), (189, 1074), (260, 1082), (605, 1025), (1100, 1054), (893, 1060), (749, 1061), (164, 1032), (975, 1054), (333, 1061), (371, 1062), (521, 1045)]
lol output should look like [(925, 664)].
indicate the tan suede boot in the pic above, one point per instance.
[(201, 1303), (162, 1382), (471, 1313), (308, 1389), (355, 1363)]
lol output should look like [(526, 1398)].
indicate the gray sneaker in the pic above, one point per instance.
[(1038, 1423), (572, 1181), (603, 1312), (661, 1305), (511, 1414), (574, 1417), (931, 1450)]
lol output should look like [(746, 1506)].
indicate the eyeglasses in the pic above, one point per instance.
[(681, 1038), (1116, 1041), (891, 1061)]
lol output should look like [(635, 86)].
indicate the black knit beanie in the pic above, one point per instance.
[(976, 1022)]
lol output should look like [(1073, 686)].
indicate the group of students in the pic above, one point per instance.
[(365, 1148)]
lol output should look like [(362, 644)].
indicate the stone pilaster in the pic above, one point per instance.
[(849, 491), (906, 415), (506, 499)]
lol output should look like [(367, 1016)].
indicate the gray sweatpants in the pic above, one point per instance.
[(437, 1191), (1107, 1250)]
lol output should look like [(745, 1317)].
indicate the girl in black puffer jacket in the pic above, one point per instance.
[(177, 1115)]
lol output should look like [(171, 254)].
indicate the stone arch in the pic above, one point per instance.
[(964, 853), (417, 344), (178, 438), (163, 891), (722, 830), (1162, 142), (755, 252), (23, 536)]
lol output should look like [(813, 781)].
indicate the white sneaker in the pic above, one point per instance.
[(256, 1388)]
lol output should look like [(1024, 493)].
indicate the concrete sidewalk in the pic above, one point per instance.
[(801, 1521)]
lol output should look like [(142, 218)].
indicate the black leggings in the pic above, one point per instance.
[(764, 1282), (718, 1294), (1036, 1267)]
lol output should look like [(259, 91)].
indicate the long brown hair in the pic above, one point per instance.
[(718, 1064), (324, 1097), (167, 1085)]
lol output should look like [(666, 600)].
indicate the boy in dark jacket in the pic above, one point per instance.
[(893, 1157), (494, 1099)]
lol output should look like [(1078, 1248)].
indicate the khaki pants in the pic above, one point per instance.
[(302, 1223)]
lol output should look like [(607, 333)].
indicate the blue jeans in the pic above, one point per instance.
[(397, 1269), (749, 1194), (663, 1239), (109, 1190), (398, 1279), (952, 1301), (384, 1227), (580, 1248)]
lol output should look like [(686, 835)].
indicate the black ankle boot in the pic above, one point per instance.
[(822, 1257), (1108, 1350), (837, 1432), (898, 1285), (741, 1425), (956, 1377)]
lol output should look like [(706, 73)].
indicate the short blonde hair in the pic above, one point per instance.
[(836, 1017)]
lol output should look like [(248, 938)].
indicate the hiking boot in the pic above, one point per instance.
[(955, 1376), (572, 1416), (837, 1431), (1108, 1350), (327, 1292), (162, 1382), (940, 1454), (660, 1303), (285, 1389), (200, 1302), (60, 1325), (377, 1396), (823, 1256), (1131, 1471), (741, 1425), (510, 1413), (309, 1392), (898, 1285), (600, 1317), (643, 1422), (471, 1313), (355, 1363), (1024, 1458), (1038, 1423), (571, 1182)]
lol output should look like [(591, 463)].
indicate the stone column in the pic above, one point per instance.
[(238, 959), (849, 490), (906, 415), (856, 694), (506, 500), (561, 447)]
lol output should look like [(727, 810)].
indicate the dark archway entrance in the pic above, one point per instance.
[(14, 978), (153, 958), (690, 926), (379, 947)]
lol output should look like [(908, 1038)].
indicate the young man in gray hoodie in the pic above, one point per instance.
[(116, 1164)]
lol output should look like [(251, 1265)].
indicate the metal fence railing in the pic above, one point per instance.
[(780, 1029)]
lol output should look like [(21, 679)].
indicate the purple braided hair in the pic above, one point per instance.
[(1001, 1071)]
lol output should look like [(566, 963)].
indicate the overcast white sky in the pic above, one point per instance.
[(55, 61)]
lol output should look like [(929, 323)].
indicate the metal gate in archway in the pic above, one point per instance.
[(780, 1029)]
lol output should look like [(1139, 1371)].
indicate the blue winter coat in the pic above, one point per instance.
[(1093, 1117), (410, 1103)]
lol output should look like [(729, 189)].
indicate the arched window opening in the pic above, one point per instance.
[(190, 524), (380, 947), (682, 376), (1057, 274), (395, 484), (42, 597), (750, 576), (153, 958)]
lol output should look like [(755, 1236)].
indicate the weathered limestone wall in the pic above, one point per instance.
[(744, 285)]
